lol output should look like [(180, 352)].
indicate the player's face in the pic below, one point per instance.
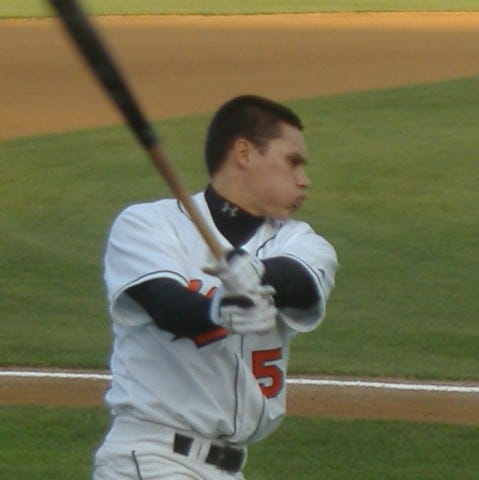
[(277, 180)]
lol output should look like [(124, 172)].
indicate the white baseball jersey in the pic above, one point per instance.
[(219, 385)]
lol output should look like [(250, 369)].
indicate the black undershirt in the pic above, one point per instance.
[(235, 224), (186, 313)]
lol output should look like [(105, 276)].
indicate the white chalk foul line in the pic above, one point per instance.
[(420, 387), (54, 374)]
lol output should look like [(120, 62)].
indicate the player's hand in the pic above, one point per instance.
[(239, 271), (244, 313)]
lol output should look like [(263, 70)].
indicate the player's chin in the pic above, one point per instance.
[(286, 212)]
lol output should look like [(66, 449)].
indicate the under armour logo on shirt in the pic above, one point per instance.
[(229, 209)]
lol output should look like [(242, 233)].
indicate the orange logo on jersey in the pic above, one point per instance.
[(195, 286), (214, 334)]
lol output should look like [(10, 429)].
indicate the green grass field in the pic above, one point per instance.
[(58, 443), (34, 8), (395, 182)]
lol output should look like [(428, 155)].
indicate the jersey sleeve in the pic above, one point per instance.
[(301, 243), (141, 246)]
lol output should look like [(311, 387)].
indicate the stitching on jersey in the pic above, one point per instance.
[(236, 393), (259, 420), (184, 212), (269, 240), (235, 414), (154, 273), (137, 465)]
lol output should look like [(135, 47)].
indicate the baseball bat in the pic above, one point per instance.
[(101, 62)]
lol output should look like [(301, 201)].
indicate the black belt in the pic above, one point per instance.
[(225, 458)]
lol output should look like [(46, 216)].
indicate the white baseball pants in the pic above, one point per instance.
[(137, 450)]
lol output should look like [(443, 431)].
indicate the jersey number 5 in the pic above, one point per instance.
[(265, 369)]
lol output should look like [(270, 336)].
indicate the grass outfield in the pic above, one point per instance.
[(395, 185), (35, 8), (59, 443), (396, 190)]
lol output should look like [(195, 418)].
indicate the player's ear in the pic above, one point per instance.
[(242, 150)]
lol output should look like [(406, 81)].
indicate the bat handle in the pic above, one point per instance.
[(161, 162)]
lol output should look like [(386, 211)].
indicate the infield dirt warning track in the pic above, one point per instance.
[(439, 402), (182, 65)]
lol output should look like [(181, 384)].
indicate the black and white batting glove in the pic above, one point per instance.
[(244, 313), (239, 271)]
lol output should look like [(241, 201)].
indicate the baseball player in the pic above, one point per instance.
[(201, 346)]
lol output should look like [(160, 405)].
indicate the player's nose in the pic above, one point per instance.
[(302, 178)]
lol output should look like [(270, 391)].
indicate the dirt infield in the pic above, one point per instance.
[(341, 401), (184, 65)]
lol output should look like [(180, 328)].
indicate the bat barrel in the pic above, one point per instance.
[(101, 62), (96, 55)]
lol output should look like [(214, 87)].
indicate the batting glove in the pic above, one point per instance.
[(244, 313), (239, 272)]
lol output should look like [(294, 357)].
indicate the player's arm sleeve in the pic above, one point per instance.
[(308, 278), (173, 307), (294, 286), (141, 246)]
